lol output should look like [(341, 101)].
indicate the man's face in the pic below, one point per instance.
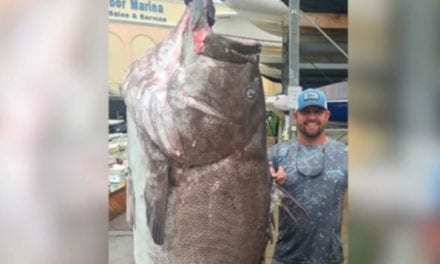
[(311, 120)]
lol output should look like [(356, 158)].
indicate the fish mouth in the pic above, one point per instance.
[(225, 49)]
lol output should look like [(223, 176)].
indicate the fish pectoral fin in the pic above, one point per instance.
[(156, 225), (156, 198)]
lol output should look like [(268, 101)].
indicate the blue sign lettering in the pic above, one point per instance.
[(146, 6), (117, 3)]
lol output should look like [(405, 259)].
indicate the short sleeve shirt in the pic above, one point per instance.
[(317, 179)]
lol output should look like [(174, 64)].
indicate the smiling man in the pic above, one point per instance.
[(311, 117), (313, 169)]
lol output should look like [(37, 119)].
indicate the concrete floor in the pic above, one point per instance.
[(120, 241)]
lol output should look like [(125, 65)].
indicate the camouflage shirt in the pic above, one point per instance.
[(317, 179)]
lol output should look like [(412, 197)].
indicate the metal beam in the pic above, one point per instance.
[(290, 80), (293, 43)]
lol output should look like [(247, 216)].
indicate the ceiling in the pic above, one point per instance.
[(322, 6)]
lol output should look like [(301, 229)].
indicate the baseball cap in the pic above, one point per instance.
[(310, 97)]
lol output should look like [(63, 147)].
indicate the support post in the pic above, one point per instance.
[(290, 80)]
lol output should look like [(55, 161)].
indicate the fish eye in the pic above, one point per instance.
[(251, 93)]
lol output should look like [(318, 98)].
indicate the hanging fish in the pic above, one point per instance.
[(199, 190)]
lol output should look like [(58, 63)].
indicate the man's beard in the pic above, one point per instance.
[(311, 134)]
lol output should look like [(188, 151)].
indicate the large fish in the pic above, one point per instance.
[(199, 191)]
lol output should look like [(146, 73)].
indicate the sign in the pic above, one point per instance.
[(145, 11)]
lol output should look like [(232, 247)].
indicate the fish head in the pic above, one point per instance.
[(225, 79), (216, 92), (197, 95)]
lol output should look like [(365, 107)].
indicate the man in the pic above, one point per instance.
[(313, 169)]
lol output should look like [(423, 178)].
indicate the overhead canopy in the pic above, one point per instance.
[(321, 63)]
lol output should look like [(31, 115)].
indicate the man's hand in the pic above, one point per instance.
[(279, 176)]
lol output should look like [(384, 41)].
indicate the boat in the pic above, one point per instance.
[(337, 101), (338, 110)]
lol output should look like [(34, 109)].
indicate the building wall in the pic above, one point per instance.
[(128, 42), (134, 27)]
